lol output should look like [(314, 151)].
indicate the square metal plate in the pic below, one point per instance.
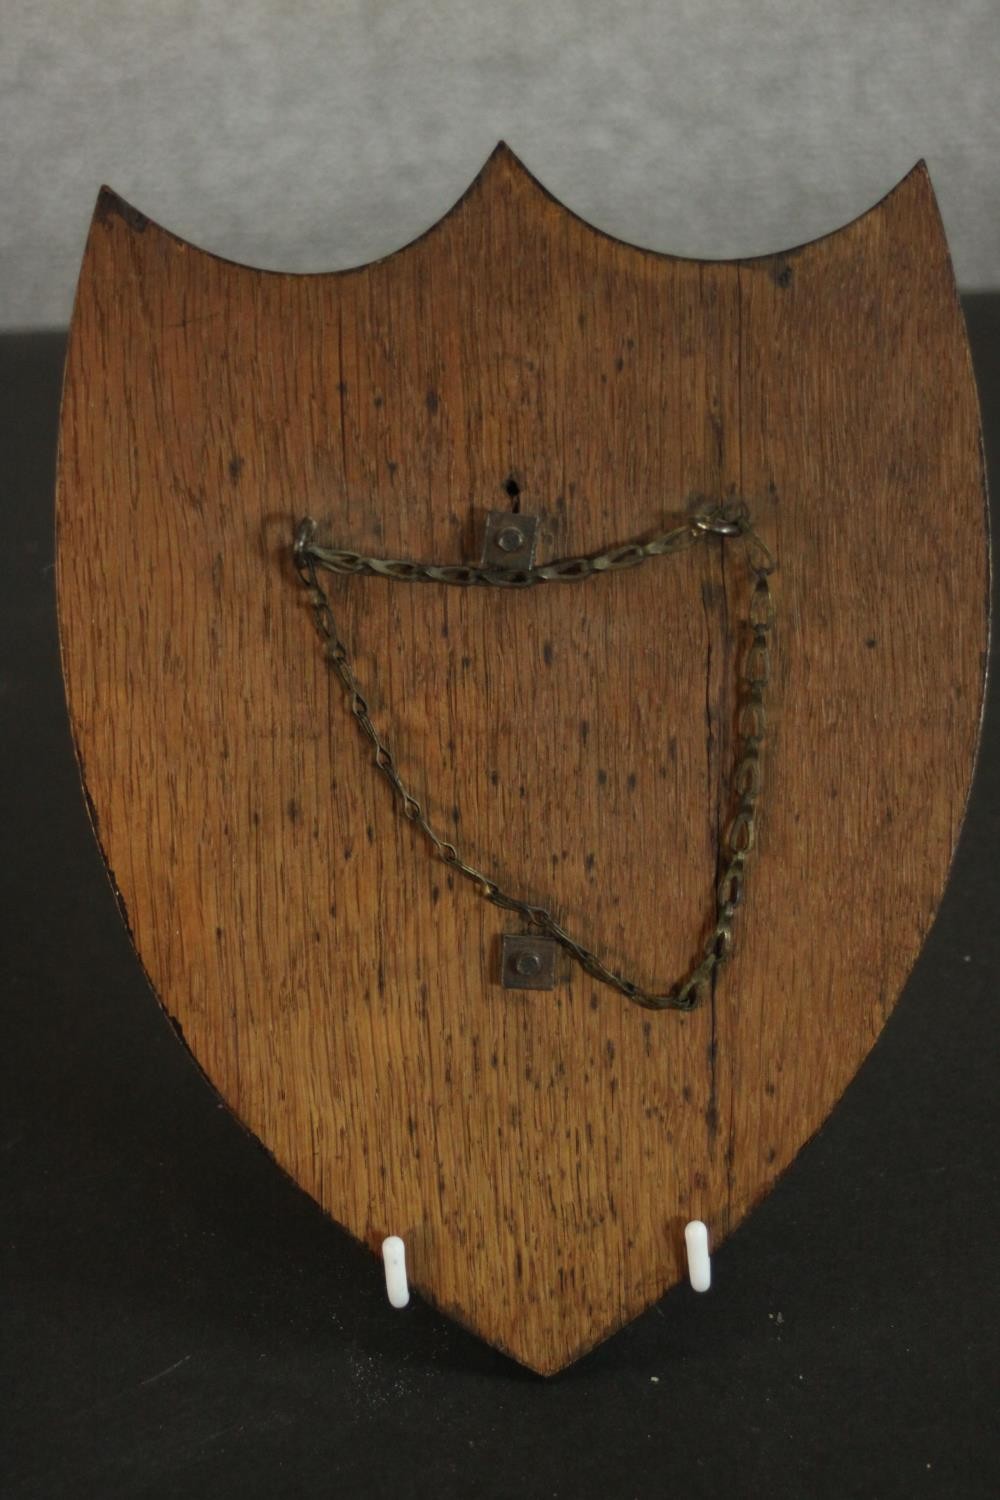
[(510, 540), (527, 962)]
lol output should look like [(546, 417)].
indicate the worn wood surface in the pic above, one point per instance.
[(540, 1153)]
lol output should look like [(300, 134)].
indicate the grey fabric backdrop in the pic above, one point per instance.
[(312, 136)]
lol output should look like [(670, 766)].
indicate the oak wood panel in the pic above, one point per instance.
[(539, 1152)]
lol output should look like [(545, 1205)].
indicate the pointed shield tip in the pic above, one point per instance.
[(111, 205), (503, 156)]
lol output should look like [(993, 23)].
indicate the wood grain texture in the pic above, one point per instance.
[(539, 1153)]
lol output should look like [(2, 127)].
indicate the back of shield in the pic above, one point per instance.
[(539, 1151)]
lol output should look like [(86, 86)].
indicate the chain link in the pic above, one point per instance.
[(728, 521)]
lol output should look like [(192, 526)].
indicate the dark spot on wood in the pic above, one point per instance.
[(456, 816), (512, 487), (392, 466), (495, 778), (370, 833), (348, 851), (235, 467), (610, 1050), (255, 818), (466, 663), (698, 1179), (783, 277), (602, 777), (218, 932), (686, 1093), (333, 908), (584, 730), (631, 783), (772, 1153), (292, 810), (672, 747), (518, 1266), (594, 1002), (444, 630), (769, 1088), (871, 642), (494, 1060), (647, 1035), (411, 1126), (548, 653), (435, 894), (619, 364), (712, 1119), (431, 400), (379, 401), (589, 861), (581, 320)]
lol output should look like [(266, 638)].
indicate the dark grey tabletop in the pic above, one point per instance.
[(181, 1321)]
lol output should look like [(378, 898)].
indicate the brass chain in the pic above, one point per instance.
[(729, 520)]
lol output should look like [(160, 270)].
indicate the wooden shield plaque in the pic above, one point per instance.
[(539, 1151)]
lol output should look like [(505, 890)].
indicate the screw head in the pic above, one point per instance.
[(527, 964), (511, 539)]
